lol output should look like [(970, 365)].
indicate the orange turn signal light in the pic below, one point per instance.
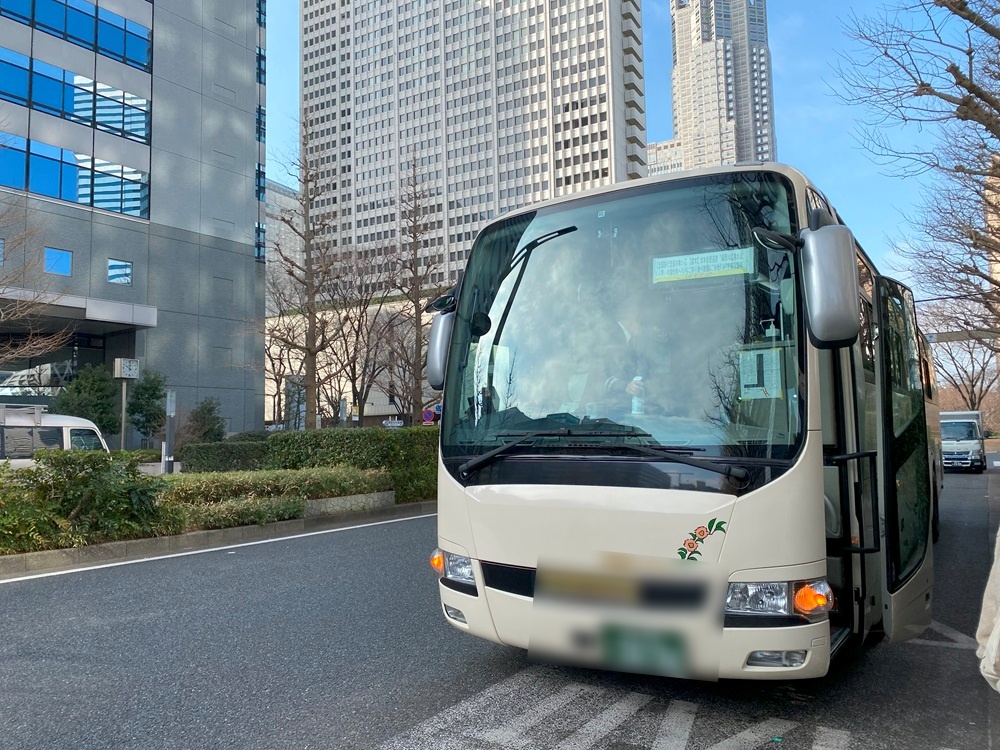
[(812, 598), (437, 562)]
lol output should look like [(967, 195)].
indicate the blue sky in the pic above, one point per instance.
[(815, 131)]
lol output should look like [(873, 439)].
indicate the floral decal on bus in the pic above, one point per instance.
[(689, 549)]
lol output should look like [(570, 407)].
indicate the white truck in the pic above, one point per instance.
[(25, 429), (962, 441)]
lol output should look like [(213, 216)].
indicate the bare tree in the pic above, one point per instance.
[(403, 376), (928, 73), (359, 297), (299, 327), (25, 331), (967, 366)]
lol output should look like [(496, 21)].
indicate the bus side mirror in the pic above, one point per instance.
[(438, 344), (831, 286)]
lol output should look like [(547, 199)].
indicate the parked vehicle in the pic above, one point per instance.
[(688, 429), (27, 429), (962, 440)]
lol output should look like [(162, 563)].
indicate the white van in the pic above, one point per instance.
[(26, 429)]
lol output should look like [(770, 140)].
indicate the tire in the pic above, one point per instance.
[(981, 468)]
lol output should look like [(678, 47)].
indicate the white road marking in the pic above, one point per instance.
[(604, 723), (996, 464), (188, 553), (539, 708), (756, 735), (831, 739), (675, 729), (512, 733), (956, 638)]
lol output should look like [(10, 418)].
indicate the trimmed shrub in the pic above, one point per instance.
[(259, 436), (409, 455), (72, 498), (225, 456), (259, 510), (303, 484), (144, 456)]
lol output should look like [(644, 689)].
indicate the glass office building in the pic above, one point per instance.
[(140, 215)]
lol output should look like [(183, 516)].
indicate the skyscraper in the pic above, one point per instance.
[(721, 78), (131, 150), (491, 106)]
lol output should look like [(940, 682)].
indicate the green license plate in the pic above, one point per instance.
[(645, 651)]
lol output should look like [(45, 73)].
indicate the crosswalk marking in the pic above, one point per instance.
[(675, 729), (512, 733), (831, 739), (756, 735), (605, 723), (956, 639), (539, 708)]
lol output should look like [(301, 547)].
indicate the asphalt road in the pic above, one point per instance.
[(335, 641)]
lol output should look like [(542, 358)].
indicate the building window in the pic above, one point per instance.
[(260, 183), (261, 124), (58, 262), (84, 24), (119, 272), (1, 250), (69, 176), (260, 241), (262, 13), (261, 67), (72, 97)]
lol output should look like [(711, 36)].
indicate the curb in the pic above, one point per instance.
[(49, 561)]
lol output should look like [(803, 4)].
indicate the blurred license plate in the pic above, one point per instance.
[(632, 649)]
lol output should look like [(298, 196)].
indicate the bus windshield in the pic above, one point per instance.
[(650, 315)]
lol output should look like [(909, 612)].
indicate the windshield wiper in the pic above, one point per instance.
[(487, 458), (682, 456)]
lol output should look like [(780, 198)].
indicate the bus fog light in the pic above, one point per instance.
[(757, 598), (455, 614), (458, 568), (776, 659), (813, 598)]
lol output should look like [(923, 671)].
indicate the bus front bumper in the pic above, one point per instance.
[(788, 652)]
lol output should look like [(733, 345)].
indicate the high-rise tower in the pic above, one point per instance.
[(499, 104), (721, 77)]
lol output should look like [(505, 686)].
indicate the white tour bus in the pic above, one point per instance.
[(684, 432)]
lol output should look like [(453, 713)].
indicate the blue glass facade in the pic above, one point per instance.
[(59, 92), (79, 178), (84, 24)]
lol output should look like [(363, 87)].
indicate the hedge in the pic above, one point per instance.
[(75, 498), (72, 498), (409, 455), (226, 456), (301, 484)]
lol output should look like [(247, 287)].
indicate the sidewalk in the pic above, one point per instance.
[(50, 561)]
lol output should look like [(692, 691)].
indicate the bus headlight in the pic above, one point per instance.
[(813, 599), (458, 568), (757, 599)]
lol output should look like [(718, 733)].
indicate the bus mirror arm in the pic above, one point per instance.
[(776, 240)]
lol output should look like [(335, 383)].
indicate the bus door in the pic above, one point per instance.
[(904, 492), (848, 395)]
